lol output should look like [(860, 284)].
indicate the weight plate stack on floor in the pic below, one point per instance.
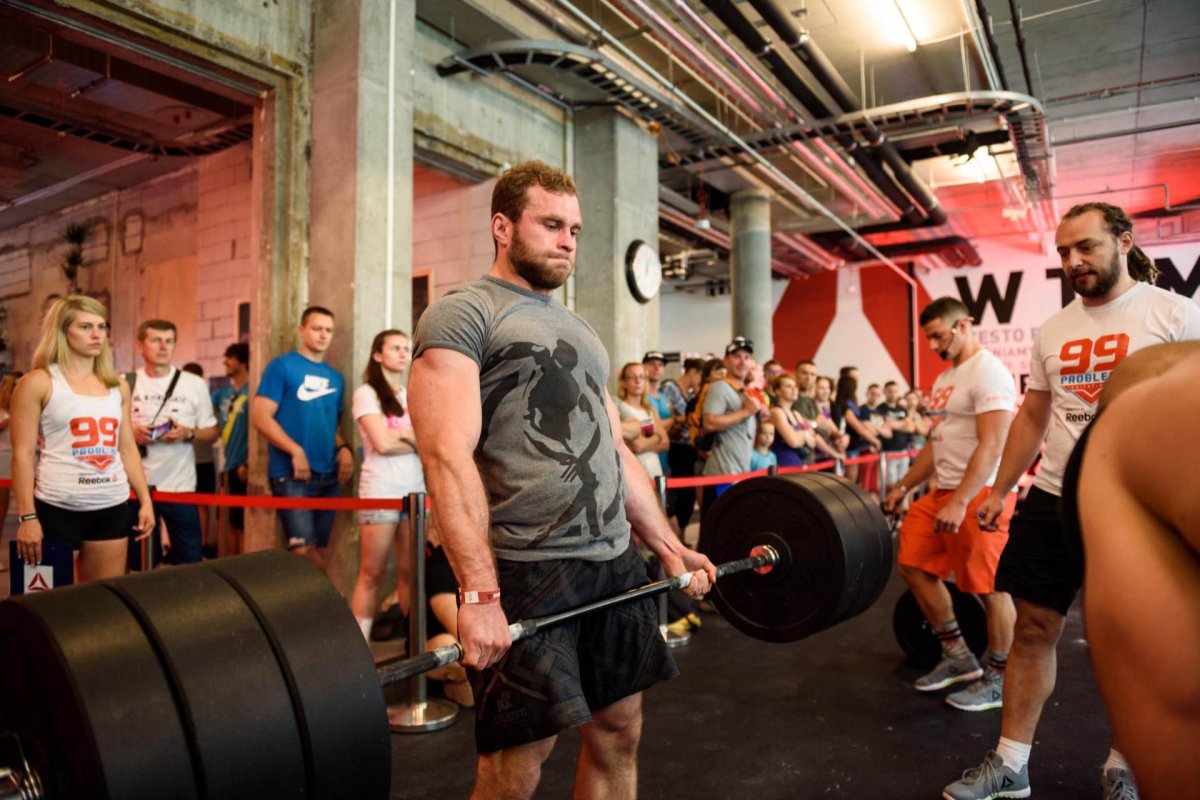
[(244, 678), (329, 670), (837, 562), (232, 698), (84, 690)]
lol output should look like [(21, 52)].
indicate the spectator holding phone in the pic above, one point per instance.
[(171, 410)]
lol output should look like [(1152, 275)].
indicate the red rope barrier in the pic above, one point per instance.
[(401, 503)]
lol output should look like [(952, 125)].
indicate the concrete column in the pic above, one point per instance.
[(616, 170), (750, 269), (360, 241)]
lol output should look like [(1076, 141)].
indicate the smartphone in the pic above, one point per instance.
[(160, 430)]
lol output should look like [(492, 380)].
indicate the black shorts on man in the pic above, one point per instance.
[(557, 678), (1038, 564)]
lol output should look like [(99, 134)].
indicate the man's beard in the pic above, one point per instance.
[(1104, 280), (537, 272)]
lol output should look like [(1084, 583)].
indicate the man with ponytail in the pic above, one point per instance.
[(1118, 311)]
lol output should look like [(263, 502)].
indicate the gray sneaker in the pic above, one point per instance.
[(982, 695), (989, 780), (1117, 784), (949, 671)]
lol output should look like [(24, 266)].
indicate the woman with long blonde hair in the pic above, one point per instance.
[(641, 428), (79, 491)]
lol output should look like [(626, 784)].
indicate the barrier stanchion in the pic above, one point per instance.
[(883, 457), (672, 639), (773, 470), (419, 714)]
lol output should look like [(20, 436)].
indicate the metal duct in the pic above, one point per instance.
[(744, 30), (819, 65)]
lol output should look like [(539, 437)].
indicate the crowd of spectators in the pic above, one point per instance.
[(717, 417)]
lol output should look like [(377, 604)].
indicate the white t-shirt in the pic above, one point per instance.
[(649, 458), (1077, 348), (171, 466), (978, 385), (396, 475)]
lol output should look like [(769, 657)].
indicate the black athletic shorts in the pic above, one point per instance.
[(77, 527), (555, 679), (1038, 563)]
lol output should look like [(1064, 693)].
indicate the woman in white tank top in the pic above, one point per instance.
[(390, 468), (79, 490)]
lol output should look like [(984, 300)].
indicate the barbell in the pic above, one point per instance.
[(248, 677)]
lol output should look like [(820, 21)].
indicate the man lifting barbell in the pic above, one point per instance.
[(535, 494)]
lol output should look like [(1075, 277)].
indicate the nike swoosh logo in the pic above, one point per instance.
[(305, 394)]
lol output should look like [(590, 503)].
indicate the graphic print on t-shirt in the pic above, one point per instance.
[(936, 407), (314, 386), (95, 441), (1086, 364), (553, 399)]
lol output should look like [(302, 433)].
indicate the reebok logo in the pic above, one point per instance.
[(313, 387)]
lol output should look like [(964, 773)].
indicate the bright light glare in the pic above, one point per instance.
[(904, 29)]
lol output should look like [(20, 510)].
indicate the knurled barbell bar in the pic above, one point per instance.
[(248, 677)]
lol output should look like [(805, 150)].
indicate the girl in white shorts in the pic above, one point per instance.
[(390, 469)]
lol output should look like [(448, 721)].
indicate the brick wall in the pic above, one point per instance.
[(451, 229), (223, 252)]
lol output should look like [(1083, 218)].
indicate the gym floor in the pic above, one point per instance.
[(831, 716)]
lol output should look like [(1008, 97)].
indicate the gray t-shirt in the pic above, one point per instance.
[(546, 453), (732, 446), (807, 408)]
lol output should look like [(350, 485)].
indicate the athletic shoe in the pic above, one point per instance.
[(982, 695), (949, 671), (989, 780), (1117, 784)]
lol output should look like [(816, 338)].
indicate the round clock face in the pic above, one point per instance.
[(643, 270)]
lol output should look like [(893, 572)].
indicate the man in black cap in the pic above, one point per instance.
[(732, 415)]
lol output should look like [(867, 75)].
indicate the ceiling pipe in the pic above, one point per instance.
[(823, 70), (868, 197), (639, 8), (719, 237), (1016, 21), (643, 15), (745, 31), (791, 186)]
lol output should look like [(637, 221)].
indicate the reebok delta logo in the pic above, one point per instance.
[(314, 386)]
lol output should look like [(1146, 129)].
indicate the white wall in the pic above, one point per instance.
[(693, 323)]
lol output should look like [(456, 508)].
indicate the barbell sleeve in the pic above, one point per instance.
[(403, 668)]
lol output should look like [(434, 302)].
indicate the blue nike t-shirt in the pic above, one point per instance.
[(309, 395)]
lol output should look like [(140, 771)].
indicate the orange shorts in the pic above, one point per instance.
[(971, 555)]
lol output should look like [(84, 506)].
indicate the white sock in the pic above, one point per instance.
[(1116, 761), (365, 624), (1015, 754)]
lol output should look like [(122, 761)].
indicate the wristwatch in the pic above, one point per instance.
[(191, 434), (27, 517)]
